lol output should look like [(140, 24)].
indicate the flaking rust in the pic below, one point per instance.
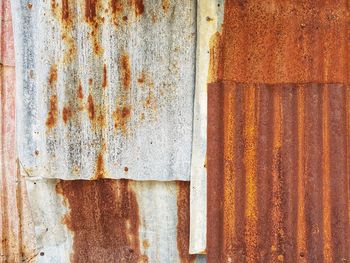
[(183, 222), (104, 219)]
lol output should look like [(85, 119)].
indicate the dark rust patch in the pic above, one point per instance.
[(100, 167), (66, 114), (53, 75), (125, 70), (94, 19), (183, 222), (91, 107), (90, 81), (165, 5), (91, 10), (80, 93), (121, 118), (65, 10), (117, 9), (53, 112), (139, 7), (104, 218), (126, 169), (104, 80)]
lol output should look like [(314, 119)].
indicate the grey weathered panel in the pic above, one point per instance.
[(105, 89)]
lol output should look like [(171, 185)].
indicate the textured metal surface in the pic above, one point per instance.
[(105, 88), (16, 232), (279, 133), (111, 221), (209, 19)]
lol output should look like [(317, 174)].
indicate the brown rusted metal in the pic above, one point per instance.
[(278, 134)]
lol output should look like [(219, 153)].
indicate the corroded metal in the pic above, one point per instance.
[(16, 230), (278, 133), (105, 88), (111, 221)]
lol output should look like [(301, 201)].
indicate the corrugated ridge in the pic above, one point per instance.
[(283, 179)]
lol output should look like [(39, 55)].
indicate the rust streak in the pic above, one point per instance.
[(106, 214), (80, 93), (65, 10), (183, 222), (91, 107), (90, 10), (125, 70), (139, 7), (53, 75), (301, 224), (66, 114), (327, 233), (104, 80), (53, 112)]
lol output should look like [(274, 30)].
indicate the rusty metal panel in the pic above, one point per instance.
[(279, 133), (105, 88), (111, 221), (16, 231)]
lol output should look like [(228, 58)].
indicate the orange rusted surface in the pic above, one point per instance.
[(125, 70), (183, 222), (53, 112), (113, 204), (278, 133)]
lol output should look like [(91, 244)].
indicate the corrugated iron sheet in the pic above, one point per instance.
[(105, 88), (16, 231), (111, 221), (279, 133)]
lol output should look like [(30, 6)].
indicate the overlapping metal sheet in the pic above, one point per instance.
[(16, 230), (105, 88), (279, 133)]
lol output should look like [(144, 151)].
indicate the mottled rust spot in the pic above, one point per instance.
[(183, 222), (104, 219), (142, 78), (145, 243), (91, 107), (139, 7), (121, 117), (125, 18), (53, 75), (126, 169), (66, 114), (165, 5), (53, 112), (80, 93), (104, 80), (125, 70)]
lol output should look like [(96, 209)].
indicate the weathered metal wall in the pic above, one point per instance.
[(279, 133), (105, 88), (16, 230), (102, 220)]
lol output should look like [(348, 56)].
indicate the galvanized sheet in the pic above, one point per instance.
[(209, 19), (105, 88), (111, 221), (278, 133)]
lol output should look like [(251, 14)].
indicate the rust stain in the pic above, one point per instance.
[(165, 5), (53, 112), (29, 5), (53, 75), (80, 93), (117, 9), (95, 20), (100, 167), (139, 7), (145, 244), (66, 114), (124, 62), (142, 78), (90, 81), (106, 214), (126, 169), (121, 118), (183, 222), (91, 107), (65, 10), (91, 10), (104, 80)]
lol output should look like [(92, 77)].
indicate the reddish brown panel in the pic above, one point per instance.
[(278, 173), (104, 218), (285, 41)]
